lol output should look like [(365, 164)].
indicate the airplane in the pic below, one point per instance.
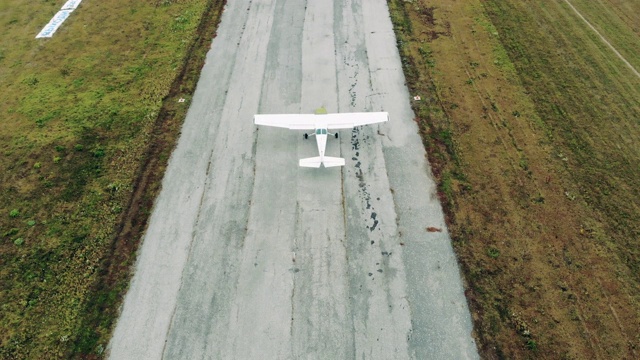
[(321, 123)]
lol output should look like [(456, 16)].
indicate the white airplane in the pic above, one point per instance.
[(321, 122)]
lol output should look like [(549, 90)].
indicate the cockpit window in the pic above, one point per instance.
[(318, 131), (324, 131)]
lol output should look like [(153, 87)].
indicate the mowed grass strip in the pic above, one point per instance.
[(78, 115), (530, 123), (617, 21), (590, 102)]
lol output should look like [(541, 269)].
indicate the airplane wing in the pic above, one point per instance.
[(311, 121), (289, 121), (350, 120)]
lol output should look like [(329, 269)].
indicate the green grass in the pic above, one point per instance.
[(493, 252), (78, 110)]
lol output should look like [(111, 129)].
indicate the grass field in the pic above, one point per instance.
[(531, 123), (82, 119)]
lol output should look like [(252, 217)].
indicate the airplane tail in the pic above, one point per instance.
[(315, 162)]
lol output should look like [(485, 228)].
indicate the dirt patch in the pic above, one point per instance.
[(426, 15)]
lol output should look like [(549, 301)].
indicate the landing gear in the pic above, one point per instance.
[(306, 136), (336, 135)]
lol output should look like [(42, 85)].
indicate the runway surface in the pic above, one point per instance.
[(248, 256)]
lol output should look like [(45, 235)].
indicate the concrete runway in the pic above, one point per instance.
[(248, 256)]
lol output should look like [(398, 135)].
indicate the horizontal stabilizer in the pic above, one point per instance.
[(313, 162), (333, 161)]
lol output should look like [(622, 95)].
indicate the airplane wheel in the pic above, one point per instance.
[(306, 136), (336, 135)]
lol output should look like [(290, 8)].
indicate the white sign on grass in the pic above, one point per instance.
[(54, 24), (71, 4)]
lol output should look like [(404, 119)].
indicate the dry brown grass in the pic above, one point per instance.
[(531, 125)]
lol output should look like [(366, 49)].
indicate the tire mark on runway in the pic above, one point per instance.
[(362, 184), (190, 252)]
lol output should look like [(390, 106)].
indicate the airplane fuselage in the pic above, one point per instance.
[(321, 141)]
